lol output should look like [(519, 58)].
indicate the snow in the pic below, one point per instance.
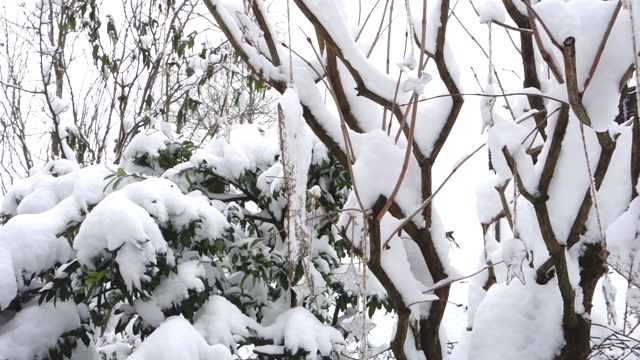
[(248, 149), (221, 322), (27, 336), (622, 241), (486, 106), (299, 329), (408, 63), (616, 187), (586, 21), (297, 147), (377, 157), (42, 207), (126, 222), (193, 80), (374, 79), (176, 338), (510, 321), (258, 61), (417, 84), (430, 119), (487, 201), (176, 286), (119, 225), (145, 42), (633, 298), (407, 270), (571, 178), (31, 244), (515, 322), (147, 142), (475, 291), (513, 253), (490, 11), (510, 135)]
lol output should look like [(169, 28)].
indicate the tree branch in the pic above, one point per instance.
[(575, 96)]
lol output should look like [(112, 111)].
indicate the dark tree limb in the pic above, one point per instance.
[(529, 63), (557, 251), (333, 75), (575, 96), (362, 88), (578, 228), (554, 150), (269, 37)]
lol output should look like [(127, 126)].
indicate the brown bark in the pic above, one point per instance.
[(529, 63)]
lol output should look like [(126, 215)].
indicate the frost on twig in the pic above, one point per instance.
[(486, 107), (609, 291), (417, 84), (350, 279), (358, 327), (514, 253)]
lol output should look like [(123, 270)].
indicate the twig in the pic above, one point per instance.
[(603, 42), (427, 201)]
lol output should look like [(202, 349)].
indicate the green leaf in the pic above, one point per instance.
[(72, 22), (95, 52), (85, 338), (372, 310), (149, 102)]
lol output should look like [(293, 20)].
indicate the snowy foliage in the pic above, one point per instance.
[(284, 242), (126, 254)]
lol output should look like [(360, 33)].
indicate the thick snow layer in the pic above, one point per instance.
[(247, 149), (176, 338), (368, 117), (488, 201), (119, 225), (299, 329), (622, 241), (171, 291), (36, 329), (433, 25), (221, 322), (297, 145), (515, 322), (149, 143), (491, 10), (56, 181), (586, 21), (374, 79), (312, 99), (378, 165), (615, 192), (42, 206), (29, 245), (571, 179), (127, 220), (402, 265), (431, 118), (256, 60), (510, 135)]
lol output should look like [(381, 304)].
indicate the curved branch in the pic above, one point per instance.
[(259, 11), (254, 60), (529, 62), (362, 87)]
